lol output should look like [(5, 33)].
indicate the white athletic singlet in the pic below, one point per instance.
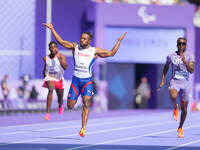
[(54, 71), (83, 62), (179, 70)]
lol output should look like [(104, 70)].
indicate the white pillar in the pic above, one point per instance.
[(48, 20)]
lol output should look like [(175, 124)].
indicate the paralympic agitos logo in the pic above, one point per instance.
[(146, 18)]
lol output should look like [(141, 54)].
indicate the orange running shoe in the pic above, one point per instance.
[(47, 116), (82, 132), (176, 113), (180, 133)]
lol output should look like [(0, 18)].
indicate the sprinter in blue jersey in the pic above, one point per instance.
[(182, 65), (84, 56)]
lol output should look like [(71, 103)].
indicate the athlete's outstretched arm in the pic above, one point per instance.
[(106, 53), (165, 70), (62, 42)]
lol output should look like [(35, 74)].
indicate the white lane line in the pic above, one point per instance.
[(125, 128), (37, 124), (133, 120), (13, 133), (93, 132), (131, 138), (182, 145), (68, 127), (67, 122), (75, 126), (76, 121)]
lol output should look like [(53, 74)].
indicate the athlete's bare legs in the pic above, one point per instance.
[(85, 113), (184, 105), (59, 93), (50, 87), (173, 96), (86, 110), (71, 103)]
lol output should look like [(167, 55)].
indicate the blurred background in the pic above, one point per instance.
[(126, 81)]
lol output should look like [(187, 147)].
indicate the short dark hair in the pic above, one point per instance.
[(88, 33), (52, 42), (182, 39)]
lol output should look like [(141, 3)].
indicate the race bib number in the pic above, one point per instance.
[(181, 74), (53, 74)]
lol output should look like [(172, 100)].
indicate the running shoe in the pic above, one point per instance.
[(47, 116), (82, 132), (60, 110), (176, 113), (180, 133)]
